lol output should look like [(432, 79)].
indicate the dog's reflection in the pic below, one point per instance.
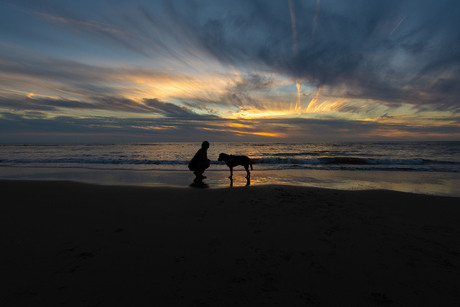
[(248, 181)]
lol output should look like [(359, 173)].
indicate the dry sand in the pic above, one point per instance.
[(70, 244)]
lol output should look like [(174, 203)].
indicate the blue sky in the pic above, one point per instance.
[(316, 70)]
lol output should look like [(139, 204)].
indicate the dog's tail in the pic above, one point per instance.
[(250, 163)]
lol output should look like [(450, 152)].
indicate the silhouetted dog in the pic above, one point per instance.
[(233, 161)]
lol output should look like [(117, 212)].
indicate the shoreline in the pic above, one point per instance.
[(74, 244), (429, 183)]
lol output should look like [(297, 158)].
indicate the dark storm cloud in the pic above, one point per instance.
[(384, 50)]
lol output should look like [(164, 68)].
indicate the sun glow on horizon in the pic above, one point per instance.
[(244, 132), (231, 99)]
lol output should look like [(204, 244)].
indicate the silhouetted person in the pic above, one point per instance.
[(200, 161)]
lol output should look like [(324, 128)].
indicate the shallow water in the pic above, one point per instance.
[(433, 183), (410, 156)]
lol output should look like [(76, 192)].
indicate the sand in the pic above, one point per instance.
[(73, 244)]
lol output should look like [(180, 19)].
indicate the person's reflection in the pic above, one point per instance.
[(199, 184)]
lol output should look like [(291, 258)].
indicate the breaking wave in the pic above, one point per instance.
[(274, 162)]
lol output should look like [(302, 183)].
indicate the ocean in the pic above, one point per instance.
[(336, 165)]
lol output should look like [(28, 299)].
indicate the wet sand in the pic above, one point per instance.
[(431, 183), (74, 244)]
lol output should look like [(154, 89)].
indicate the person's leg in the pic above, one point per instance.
[(201, 167), (199, 173)]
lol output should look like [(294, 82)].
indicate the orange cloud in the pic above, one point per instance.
[(245, 132)]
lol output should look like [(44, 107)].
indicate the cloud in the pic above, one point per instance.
[(391, 51), (36, 128), (176, 61), (169, 109), (22, 103), (104, 103), (15, 127), (244, 91), (360, 45)]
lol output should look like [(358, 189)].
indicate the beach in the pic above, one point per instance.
[(77, 244), (229, 153)]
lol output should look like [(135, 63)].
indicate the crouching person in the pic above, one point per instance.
[(200, 162)]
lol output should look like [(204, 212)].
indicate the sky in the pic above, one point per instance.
[(268, 71)]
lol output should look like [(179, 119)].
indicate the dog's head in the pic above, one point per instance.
[(222, 157)]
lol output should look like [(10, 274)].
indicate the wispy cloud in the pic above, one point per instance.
[(28, 128), (381, 67)]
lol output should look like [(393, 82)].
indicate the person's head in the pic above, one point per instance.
[(205, 144)]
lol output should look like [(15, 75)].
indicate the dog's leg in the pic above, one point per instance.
[(231, 173), (246, 167)]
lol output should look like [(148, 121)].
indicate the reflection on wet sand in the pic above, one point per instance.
[(248, 181), (435, 183)]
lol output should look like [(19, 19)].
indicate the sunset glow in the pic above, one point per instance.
[(156, 71)]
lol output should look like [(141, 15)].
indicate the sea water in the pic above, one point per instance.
[(336, 165)]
